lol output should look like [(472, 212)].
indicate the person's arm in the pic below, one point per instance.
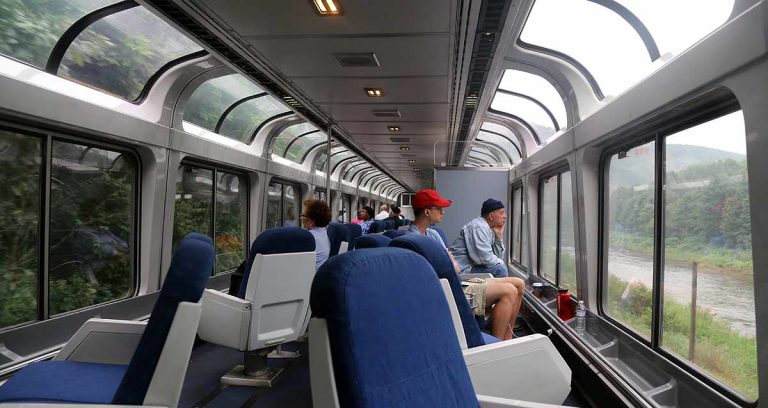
[(498, 241), (480, 246)]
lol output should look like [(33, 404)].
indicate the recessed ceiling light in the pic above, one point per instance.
[(374, 92), (393, 128), (404, 148), (328, 7), (416, 169), (412, 161)]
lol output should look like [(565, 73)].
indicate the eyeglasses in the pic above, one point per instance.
[(303, 216)]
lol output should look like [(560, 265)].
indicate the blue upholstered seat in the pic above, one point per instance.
[(391, 336), (280, 240), (389, 225), (376, 227), (442, 235), (435, 254), (337, 233), (354, 232), (394, 233), (77, 382), (372, 241)]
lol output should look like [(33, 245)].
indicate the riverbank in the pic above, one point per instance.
[(734, 262), (720, 350)]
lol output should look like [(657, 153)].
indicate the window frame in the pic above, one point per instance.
[(557, 170), (47, 137), (519, 241), (283, 182), (654, 343), (215, 169)]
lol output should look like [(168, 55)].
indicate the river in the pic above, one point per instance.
[(729, 298)]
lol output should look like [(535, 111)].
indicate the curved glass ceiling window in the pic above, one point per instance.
[(245, 118), (295, 140), (486, 154), (119, 53), (601, 40), (211, 99), (336, 151), (32, 28), (502, 142), (528, 111), (674, 34), (538, 88), (339, 157)]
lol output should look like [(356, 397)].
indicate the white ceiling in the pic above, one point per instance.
[(412, 42)]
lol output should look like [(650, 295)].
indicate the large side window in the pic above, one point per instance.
[(690, 231), (91, 208), (557, 261), (217, 209), (283, 205)]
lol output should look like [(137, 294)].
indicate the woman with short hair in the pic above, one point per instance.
[(315, 218)]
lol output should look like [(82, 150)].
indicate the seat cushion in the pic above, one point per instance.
[(489, 339), (64, 381)]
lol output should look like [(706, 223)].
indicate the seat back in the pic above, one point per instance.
[(372, 241), (279, 240), (392, 339), (376, 227), (435, 254), (337, 233), (185, 282), (442, 235), (394, 233), (354, 232), (277, 285), (390, 224)]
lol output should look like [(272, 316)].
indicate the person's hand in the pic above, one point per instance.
[(499, 231)]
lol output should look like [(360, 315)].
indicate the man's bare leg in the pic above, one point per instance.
[(520, 286), (502, 296)]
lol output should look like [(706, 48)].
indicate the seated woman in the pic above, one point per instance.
[(315, 219)]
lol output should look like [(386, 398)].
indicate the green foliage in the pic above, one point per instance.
[(90, 228), (720, 350)]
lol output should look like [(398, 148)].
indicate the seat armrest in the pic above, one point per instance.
[(547, 377), (104, 341), (225, 320), (496, 402), (468, 276)]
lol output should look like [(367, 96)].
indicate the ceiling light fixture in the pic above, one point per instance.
[(328, 7), (404, 148), (393, 128), (374, 92), (412, 161)]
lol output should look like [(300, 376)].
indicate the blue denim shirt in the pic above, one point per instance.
[(365, 226), (477, 244)]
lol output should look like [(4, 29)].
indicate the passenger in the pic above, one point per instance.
[(479, 249), (383, 213), (394, 215), (366, 215), (315, 218), (496, 298), (290, 217)]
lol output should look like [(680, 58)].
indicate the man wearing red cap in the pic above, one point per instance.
[(428, 209), (496, 298)]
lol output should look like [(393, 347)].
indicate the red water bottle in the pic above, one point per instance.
[(564, 306)]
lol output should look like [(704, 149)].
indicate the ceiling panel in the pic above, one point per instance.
[(397, 56), (369, 140), (357, 112), (298, 17), (425, 89), (406, 128)]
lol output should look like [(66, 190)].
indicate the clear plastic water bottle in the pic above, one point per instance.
[(581, 318)]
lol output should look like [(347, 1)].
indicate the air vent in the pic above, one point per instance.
[(360, 59), (400, 139), (386, 113)]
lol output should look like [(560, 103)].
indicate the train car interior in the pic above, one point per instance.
[(348, 203)]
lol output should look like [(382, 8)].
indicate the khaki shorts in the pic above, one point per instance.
[(477, 287)]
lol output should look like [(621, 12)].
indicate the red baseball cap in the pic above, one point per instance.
[(427, 198)]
